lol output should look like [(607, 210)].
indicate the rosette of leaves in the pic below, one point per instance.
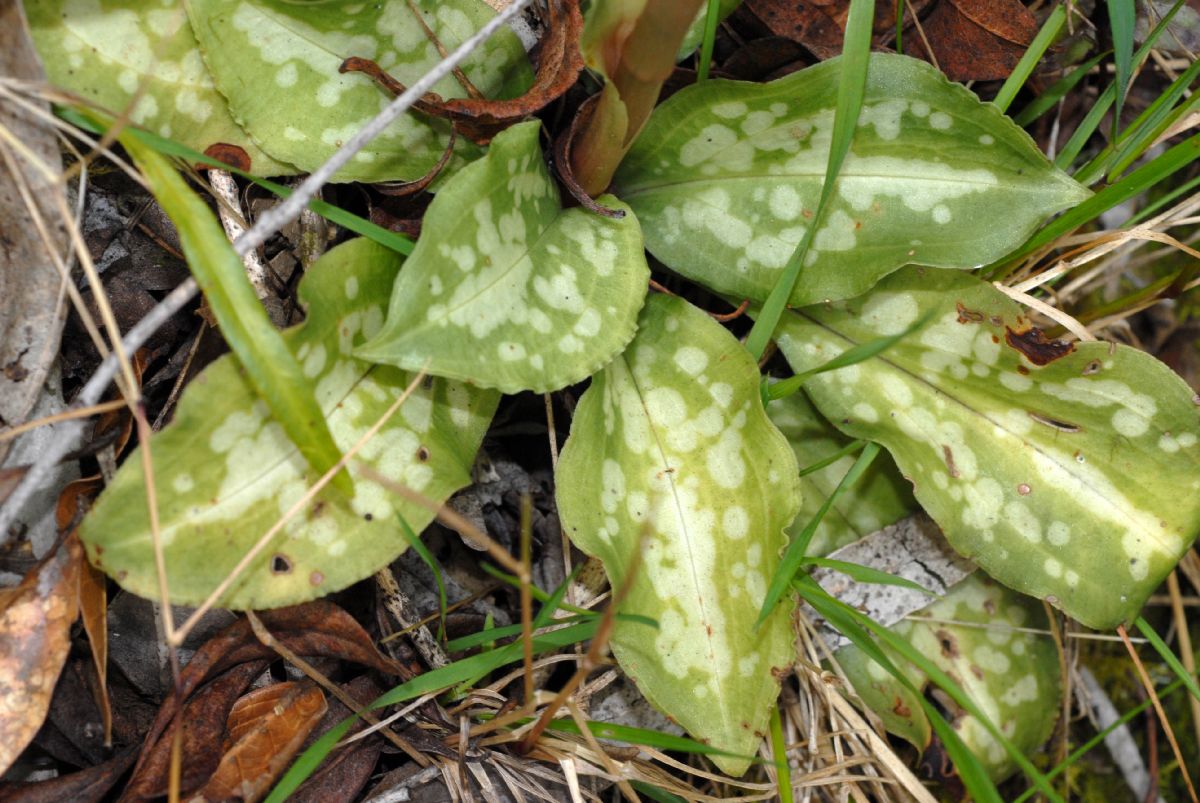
[(727, 174), (225, 472), (1029, 453), (676, 479)]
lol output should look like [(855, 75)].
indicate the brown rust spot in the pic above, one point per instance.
[(1092, 367), (1034, 344), (948, 642), (423, 453), (900, 709), (232, 155), (966, 315), (976, 671), (316, 578), (1022, 370), (1024, 490), (949, 456), (281, 564)]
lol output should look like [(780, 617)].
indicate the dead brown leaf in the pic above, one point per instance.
[(266, 728), (317, 628), (480, 119), (976, 40), (35, 634)]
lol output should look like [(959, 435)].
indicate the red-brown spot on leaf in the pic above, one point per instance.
[(233, 155), (1036, 347)]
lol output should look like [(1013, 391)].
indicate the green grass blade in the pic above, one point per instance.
[(418, 546), (432, 681), (1120, 20), (783, 780), (1032, 55), (1161, 203), (849, 448), (1167, 655), (711, 17), (793, 558), (865, 574), (855, 52), (654, 793), (1150, 125), (1135, 183), (347, 220), (851, 356), (1098, 739), (642, 736), (854, 626), (272, 368), (1066, 157), (1057, 91)]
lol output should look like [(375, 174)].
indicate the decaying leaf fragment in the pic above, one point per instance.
[(225, 471), (1068, 474), (672, 456)]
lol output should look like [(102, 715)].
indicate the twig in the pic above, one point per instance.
[(270, 222)]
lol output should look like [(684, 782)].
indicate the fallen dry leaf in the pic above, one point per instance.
[(35, 637), (317, 628), (976, 40), (266, 729)]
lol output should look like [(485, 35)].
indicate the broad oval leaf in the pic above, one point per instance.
[(277, 63), (507, 289), (1068, 472), (879, 498), (726, 176), (107, 51), (671, 442), (225, 471), (978, 635)]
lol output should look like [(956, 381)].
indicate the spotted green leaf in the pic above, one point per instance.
[(277, 63), (726, 175), (1072, 477), (109, 50), (879, 498), (507, 289), (671, 443), (972, 636), (225, 471)]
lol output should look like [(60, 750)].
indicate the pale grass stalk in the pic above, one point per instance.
[(882, 752), (51, 248), (296, 507), (1053, 313), (1186, 655), (66, 415), (387, 721), (1148, 685), (604, 757)]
